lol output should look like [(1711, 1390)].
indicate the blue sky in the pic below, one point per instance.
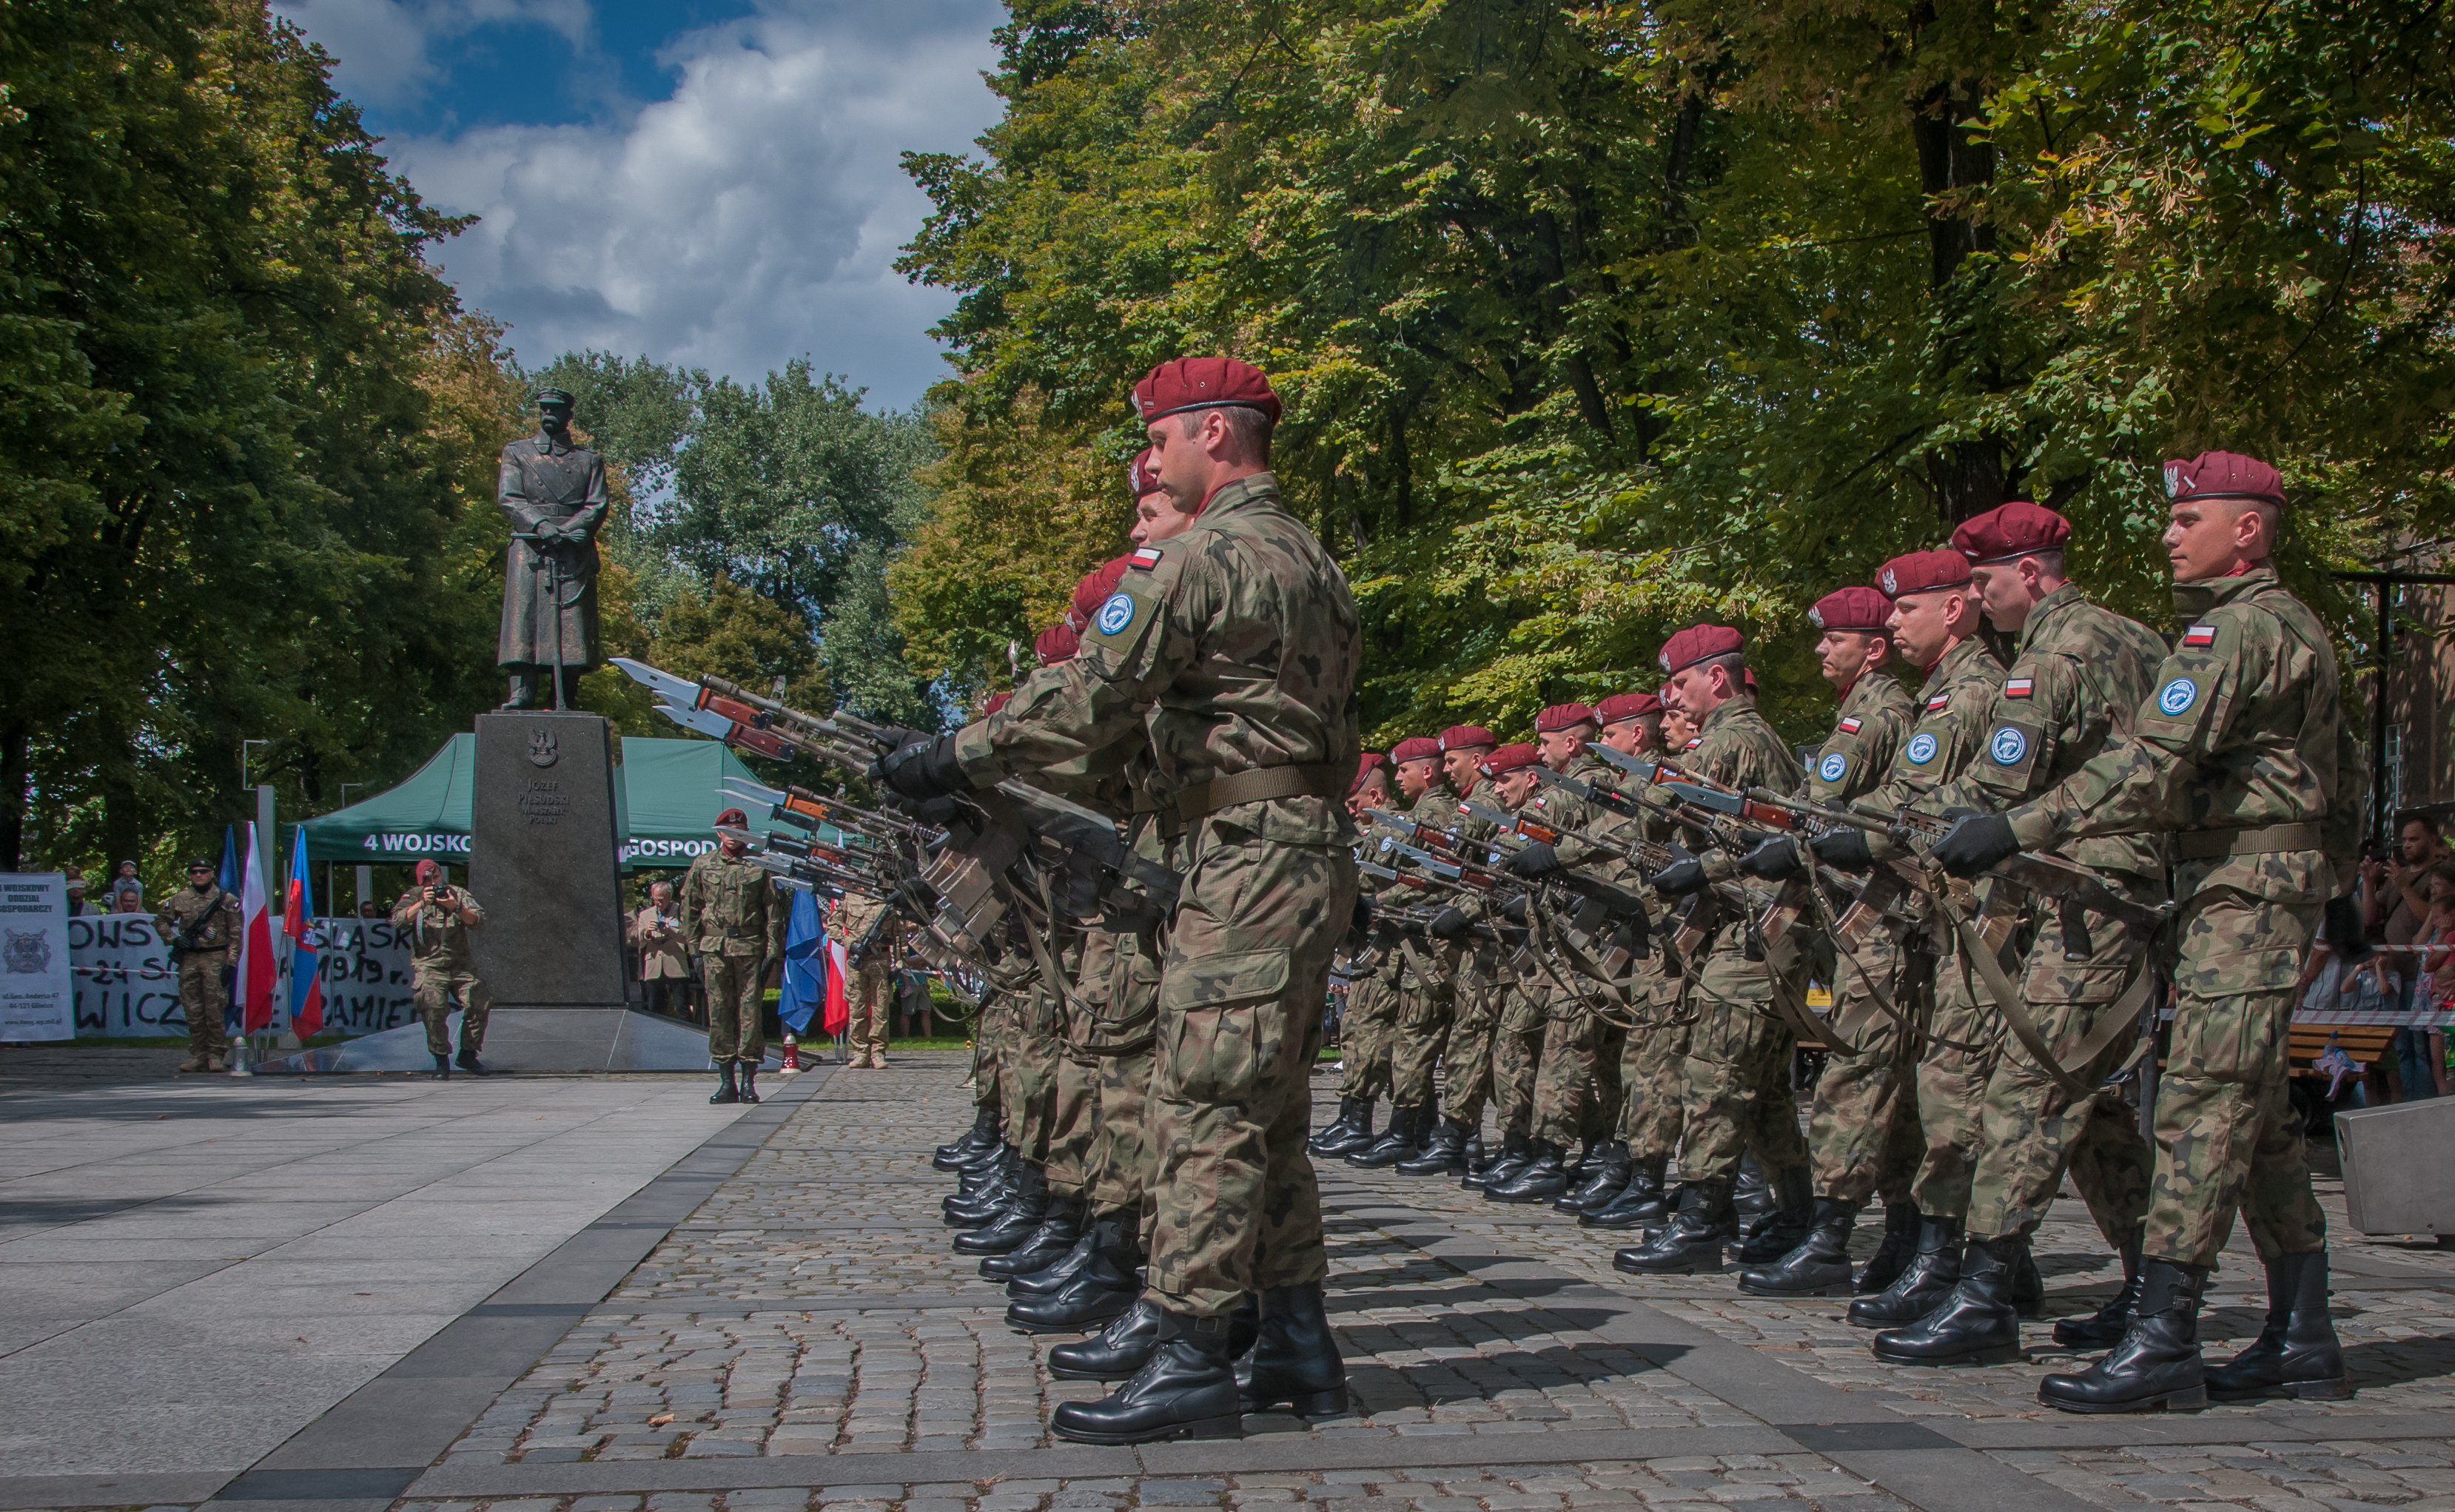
[(709, 182)]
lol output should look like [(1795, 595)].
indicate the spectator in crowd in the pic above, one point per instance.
[(127, 900), (664, 955), (78, 907), (2396, 899), (124, 885), (370, 910)]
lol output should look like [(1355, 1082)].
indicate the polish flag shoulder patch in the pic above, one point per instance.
[(2200, 636), (1934, 705), (1693, 741), (1850, 726), (2019, 687), (1144, 558)]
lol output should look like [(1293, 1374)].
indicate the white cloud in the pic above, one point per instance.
[(380, 47), (751, 217)]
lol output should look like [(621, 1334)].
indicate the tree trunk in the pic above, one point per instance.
[(15, 742), (1967, 477)]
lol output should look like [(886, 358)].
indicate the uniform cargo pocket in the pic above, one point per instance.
[(1216, 981)]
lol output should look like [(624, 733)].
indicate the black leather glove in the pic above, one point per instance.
[(1975, 842), (2346, 934), (1843, 850), (1774, 859), (1685, 874), (1537, 859), (1449, 924), (924, 770), (1514, 910), (1362, 923), (1640, 936)]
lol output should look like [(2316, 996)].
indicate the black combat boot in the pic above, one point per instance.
[(725, 1090), (444, 1073), (1604, 1181), (1517, 1153), (1637, 1205), (750, 1081), (1097, 1294), (2028, 1287), (1575, 1170), (1010, 1228), (1042, 1247), (2295, 1354), (1402, 1141), (1351, 1131), (982, 1134), (1048, 1277), (2105, 1327), (1976, 1324), (987, 1199), (1785, 1228), (1752, 1198), (1693, 1240), (1113, 1353), (1445, 1155), (2157, 1366), (1186, 1389), (1295, 1362), (467, 1059), (1820, 1267), (1893, 1254), (1477, 1157), (1539, 1180), (1922, 1283)]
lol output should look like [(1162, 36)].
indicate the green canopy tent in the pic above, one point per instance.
[(669, 794)]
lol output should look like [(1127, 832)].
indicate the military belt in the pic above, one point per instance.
[(1204, 799), (2212, 845)]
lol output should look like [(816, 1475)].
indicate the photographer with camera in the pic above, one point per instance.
[(872, 939), (436, 918)]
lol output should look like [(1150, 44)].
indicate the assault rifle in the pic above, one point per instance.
[(1412, 918), (1619, 901), (810, 812)]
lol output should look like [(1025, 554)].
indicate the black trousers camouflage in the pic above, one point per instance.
[(737, 1008), (1466, 1064), (1240, 997), (2030, 1130), (1863, 1131), (1737, 1073), (2227, 1137), (1367, 1034)]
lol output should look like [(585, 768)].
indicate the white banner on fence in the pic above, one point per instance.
[(126, 988), (34, 981)]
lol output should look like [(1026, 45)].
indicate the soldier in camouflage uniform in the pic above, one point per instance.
[(1736, 1071), (1435, 1006), (873, 942), (1862, 1132), (733, 915), (2076, 684), (1236, 647), (1934, 624), (437, 919), (2243, 751), (1368, 1026), (200, 929)]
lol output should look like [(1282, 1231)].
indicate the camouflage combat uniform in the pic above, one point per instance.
[(1235, 645), (1577, 1069), (1436, 992), (204, 998), (1862, 1128), (441, 965), (1123, 1160), (1736, 1081), (2074, 685), (869, 990), (2243, 750), (733, 915)]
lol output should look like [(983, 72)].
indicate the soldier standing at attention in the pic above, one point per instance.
[(1862, 1134), (2243, 751), (1433, 1002), (1235, 648), (200, 929), (437, 916), (1366, 1025), (872, 941), (733, 915)]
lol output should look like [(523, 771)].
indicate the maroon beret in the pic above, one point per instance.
[(1204, 383), (1462, 736), (2014, 530), (735, 818), (1057, 643), (1621, 706), (1509, 759), (2224, 474), (997, 701), (1141, 475), (1415, 748), (1564, 717), (1093, 591), (1922, 573), (1698, 643), (1365, 766), (1850, 609)]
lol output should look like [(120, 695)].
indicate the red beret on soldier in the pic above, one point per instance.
[(2010, 532), (1057, 643), (1859, 609), (1621, 706), (1509, 759), (1365, 766), (1204, 383), (1699, 643), (1142, 477), (1922, 573), (1466, 737), (1564, 717), (734, 818), (1415, 748), (2224, 474), (997, 701)]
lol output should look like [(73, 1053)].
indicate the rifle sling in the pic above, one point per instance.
[(2126, 1013)]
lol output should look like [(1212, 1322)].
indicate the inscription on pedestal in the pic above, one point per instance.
[(545, 860)]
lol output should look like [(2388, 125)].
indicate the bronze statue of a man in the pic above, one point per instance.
[(554, 493)]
